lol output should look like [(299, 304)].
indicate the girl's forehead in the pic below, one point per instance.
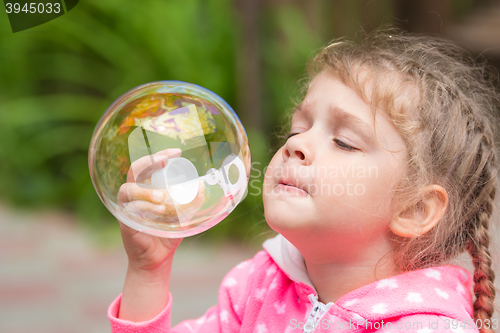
[(331, 88), (386, 93), (362, 82), (348, 105)]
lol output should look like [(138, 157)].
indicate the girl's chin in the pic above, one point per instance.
[(284, 223)]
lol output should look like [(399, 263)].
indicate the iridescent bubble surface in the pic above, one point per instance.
[(170, 159)]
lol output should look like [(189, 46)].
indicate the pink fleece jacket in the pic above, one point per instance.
[(272, 293)]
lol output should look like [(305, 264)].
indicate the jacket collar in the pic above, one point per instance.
[(443, 290), (288, 258)]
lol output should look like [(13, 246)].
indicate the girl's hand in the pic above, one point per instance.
[(145, 252), (146, 288)]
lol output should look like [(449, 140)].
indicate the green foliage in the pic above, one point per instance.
[(56, 80)]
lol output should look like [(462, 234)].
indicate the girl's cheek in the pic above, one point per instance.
[(271, 168), (269, 175)]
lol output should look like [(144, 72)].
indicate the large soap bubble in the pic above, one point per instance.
[(170, 159)]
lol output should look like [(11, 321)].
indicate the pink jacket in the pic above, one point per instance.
[(272, 293)]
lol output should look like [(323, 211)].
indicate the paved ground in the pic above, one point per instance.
[(54, 279)]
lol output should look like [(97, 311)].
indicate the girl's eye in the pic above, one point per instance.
[(339, 143), (343, 145)]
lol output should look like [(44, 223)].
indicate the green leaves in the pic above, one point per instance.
[(57, 79)]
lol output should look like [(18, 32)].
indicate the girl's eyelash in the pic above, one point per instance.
[(340, 144), (343, 145)]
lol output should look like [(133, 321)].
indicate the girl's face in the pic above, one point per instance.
[(328, 189)]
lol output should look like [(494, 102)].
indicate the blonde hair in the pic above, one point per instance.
[(443, 104)]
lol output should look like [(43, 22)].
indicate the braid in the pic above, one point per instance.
[(484, 276)]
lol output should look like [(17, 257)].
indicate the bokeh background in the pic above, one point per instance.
[(61, 261)]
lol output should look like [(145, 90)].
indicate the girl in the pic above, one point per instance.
[(389, 171)]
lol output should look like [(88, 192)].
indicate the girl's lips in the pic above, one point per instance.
[(290, 189), (292, 182)]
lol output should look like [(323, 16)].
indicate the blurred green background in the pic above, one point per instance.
[(57, 79)]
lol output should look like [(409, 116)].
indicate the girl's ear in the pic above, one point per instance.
[(416, 220)]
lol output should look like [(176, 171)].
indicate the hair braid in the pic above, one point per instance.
[(484, 276)]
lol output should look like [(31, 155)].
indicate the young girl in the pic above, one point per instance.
[(389, 171)]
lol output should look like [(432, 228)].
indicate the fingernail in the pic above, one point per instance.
[(174, 151), (158, 195)]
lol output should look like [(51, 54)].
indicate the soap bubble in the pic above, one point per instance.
[(170, 159)]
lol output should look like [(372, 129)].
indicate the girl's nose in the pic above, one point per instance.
[(297, 147)]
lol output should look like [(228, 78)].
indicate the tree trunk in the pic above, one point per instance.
[(249, 87), (423, 16)]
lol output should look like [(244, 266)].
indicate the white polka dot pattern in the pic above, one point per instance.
[(387, 283), (260, 293), (230, 282), (280, 307), (432, 273), (379, 308), (224, 316), (414, 298), (441, 293), (351, 302), (460, 289), (271, 270), (261, 328)]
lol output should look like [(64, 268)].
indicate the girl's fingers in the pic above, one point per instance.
[(131, 191), (142, 207), (144, 202), (145, 165)]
